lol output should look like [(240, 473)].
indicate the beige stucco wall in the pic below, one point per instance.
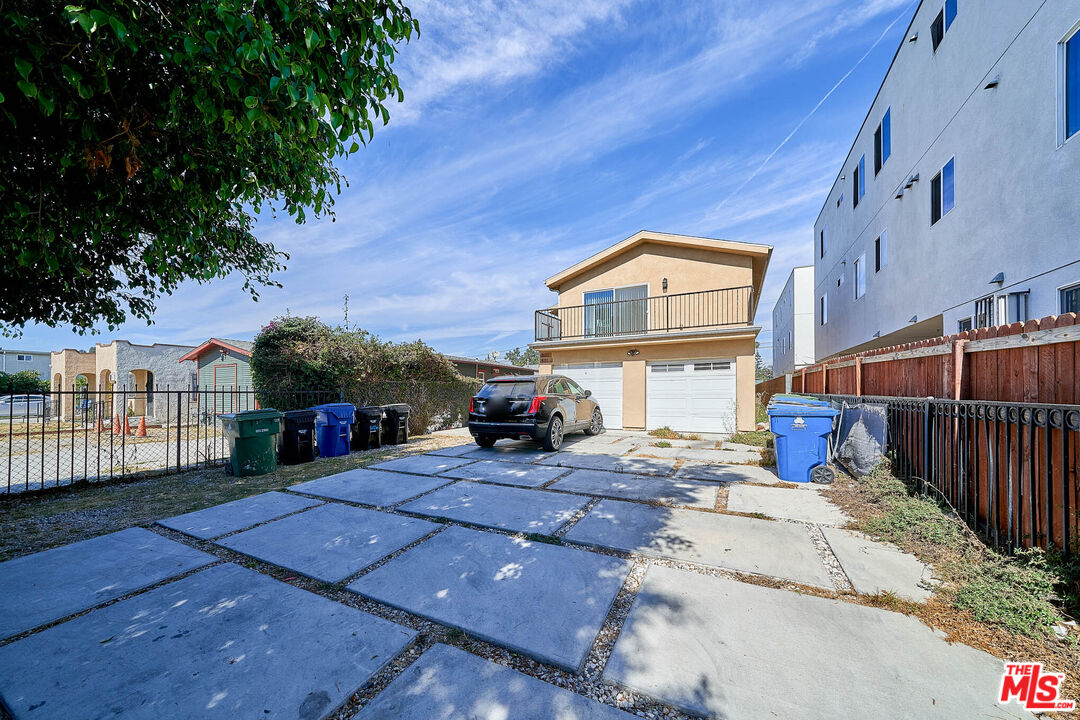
[(634, 375), (686, 269)]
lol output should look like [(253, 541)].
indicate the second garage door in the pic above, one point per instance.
[(691, 396), (605, 381)]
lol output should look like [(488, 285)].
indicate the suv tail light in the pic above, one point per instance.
[(472, 404), (534, 406)]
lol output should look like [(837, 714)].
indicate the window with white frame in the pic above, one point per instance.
[(943, 191), (963, 325), (858, 182), (1012, 307), (1069, 53), (860, 276), (880, 252), (24, 358), (1069, 298), (823, 305)]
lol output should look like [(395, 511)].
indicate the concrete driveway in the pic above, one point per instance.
[(575, 584)]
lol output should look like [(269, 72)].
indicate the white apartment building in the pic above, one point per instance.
[(793, 323), (958, 205)]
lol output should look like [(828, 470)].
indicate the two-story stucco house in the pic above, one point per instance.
[(660, 328)]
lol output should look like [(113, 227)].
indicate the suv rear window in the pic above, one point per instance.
[(507, 389)]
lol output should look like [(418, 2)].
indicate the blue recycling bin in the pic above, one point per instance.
[(332, 422), (790, 399), (802, 438)]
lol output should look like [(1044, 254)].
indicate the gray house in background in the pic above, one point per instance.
[(793, 323), (958, 204), (13, 361), (223, 368)]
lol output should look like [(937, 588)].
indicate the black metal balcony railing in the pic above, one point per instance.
[(701, 310)]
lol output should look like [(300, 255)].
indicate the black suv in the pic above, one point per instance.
[(543, 408)]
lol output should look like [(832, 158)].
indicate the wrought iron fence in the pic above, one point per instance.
[(1010, 470), (77, 435), (641, 316)]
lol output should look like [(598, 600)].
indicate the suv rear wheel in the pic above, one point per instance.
[(484, 441), (554, 437), (596, 424)]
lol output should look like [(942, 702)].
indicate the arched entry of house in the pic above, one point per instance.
[(82, 405), (141, 401)]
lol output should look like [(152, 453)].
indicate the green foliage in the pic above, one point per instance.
[(1012, 592), (757, 438), (661, 444), (138, 136), (762, 372), (23, 382), (522, 356), (299, 361)]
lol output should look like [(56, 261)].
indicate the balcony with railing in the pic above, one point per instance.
[(683, 312)]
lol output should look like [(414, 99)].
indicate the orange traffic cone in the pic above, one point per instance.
[(116, 424), (141, 432), (127, 426)]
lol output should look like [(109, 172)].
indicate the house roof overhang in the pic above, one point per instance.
[(759, 255), (211, 343)]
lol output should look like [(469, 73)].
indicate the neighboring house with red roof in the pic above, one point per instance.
[(223, 366)]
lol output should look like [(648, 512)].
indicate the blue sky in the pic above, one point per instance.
[(537, 132)]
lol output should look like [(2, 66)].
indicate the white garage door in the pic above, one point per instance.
[(605, 381), (691, 396)]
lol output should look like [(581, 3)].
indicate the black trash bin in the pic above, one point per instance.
[(395, 425), (367, 428), (298, 439)]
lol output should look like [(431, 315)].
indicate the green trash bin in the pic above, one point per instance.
[(253, 437)]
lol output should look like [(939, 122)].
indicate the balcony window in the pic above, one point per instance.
[(619, 311)]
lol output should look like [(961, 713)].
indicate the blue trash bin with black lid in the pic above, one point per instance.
[(802, 438), (332, 422), (792, 399)]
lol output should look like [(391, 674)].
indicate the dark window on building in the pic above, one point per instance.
[(1015, 307), (1070, 299), (937, 30), (823, 316), (935, 199), (858, 182), (943, 192), (880, 252), (984, 312), (883, 142), (821, 242), (1072, 85), (964, 325)]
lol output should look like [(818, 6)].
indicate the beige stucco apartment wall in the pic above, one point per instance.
[(741, 349), (686, 270)]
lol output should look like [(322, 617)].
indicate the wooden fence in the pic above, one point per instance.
[(1033, 362)]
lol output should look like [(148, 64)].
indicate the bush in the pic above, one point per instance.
[(297, 362), (24, 381)]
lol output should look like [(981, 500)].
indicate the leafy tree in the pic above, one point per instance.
[(762, 372), (522, 356), (139, 135), (24, 381)]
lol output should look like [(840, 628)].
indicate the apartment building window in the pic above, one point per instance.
[(950, 13), (882, 142), (880, 252), (984, 311), (1013, 307), (942, 22), (823, 304), (24, 358), (839, 199), (963, 325), (943, 192), (858, 182), (821, 242), (860, 276), (1070, 299), (1070, 85)]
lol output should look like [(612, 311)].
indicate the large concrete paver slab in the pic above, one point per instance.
[(454, 450), (226, 642), (422, 464), (545, 601), (519, 452), (370, 487), (506, 473), (697, 454), (450, 684), (506, 508), (763, 547), (695, 470), (725, 649), (613, 463), (639, 487), (46, 586), (785, 503), (331, 542), (873, 567), (236, 515)]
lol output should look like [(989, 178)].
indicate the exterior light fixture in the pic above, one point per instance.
[(914, 319), (999, 278), (877, 334), (911, 180), (992, 83), (900, 193), (633, 353), (913, 38), (664, 284)]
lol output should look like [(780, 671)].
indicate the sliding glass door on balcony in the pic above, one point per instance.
[(621, 311)]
